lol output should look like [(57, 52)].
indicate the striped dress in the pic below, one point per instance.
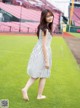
[(36, 64)]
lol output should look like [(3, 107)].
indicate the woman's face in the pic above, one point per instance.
[(49, 17)]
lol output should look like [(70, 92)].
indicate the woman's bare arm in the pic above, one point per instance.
[(44, 41)]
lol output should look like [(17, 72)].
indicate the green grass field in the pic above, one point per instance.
[(62, 88), (76, 34)]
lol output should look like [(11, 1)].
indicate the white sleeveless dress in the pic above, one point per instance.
[(36, 65)]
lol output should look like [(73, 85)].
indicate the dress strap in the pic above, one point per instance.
[(40, 32)]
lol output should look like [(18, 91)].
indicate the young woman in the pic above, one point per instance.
[(40, 61)]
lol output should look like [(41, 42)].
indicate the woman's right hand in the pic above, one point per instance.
[(47, 65)]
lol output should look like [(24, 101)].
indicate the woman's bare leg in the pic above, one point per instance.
[(41, 88), (27, 86)]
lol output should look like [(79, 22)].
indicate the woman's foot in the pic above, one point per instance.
[(41, 97), (25, 95)]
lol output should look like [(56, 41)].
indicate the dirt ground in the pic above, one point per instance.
[(74, 45)]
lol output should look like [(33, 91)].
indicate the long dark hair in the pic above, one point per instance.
[(43, 24)]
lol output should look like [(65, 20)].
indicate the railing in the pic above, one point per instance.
[(24, 29), (7, 28)]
